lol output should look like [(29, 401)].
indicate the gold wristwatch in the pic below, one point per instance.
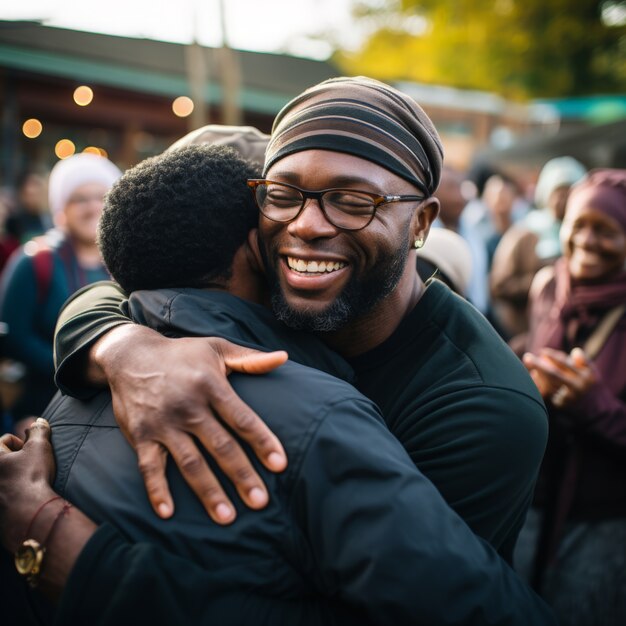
[(28, 560)]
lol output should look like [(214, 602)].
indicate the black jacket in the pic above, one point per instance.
[(353, 532)]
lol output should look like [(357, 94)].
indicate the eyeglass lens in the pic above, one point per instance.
[(343, 208)]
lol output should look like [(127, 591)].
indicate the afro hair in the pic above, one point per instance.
[(177, 219)]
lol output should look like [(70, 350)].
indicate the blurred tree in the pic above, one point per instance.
[(519, 48)]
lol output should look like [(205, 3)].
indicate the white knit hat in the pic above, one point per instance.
[(451, 254), (557, 173), (69, 174)]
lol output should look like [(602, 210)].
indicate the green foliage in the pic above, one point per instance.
[(519, 48)]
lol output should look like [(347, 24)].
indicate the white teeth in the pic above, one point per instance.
[(314, 267)]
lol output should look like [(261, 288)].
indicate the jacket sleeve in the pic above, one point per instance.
[(387, 544), (119, 583), (87, 315)]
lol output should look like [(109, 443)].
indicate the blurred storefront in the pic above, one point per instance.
[(132, 84)]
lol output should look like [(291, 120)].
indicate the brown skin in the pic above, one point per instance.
[(26, 471), (32, 195), (594, 245), (557, 201), (194, 390), (311, 237), (451, 198), (499, 195)]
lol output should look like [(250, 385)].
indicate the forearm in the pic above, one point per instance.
[(86, 318), (62, 531), (62, 551)]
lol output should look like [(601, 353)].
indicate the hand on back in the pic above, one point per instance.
[(169, 394)]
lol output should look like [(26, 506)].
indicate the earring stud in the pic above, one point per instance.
[(419, 243)]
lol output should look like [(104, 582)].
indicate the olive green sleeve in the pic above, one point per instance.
[(90, 313)]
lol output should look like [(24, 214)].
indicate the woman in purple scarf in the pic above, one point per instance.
[(573, 547)]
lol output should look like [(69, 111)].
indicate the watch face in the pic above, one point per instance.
[(28, 557)]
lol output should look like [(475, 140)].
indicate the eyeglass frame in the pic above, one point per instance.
[(378, 199)]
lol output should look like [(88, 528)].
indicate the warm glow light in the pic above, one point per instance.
[(32, 128), (83, 95), (64, 148), (182, 106), (96, 151)]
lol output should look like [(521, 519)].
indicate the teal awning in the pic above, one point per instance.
[(96, 72)]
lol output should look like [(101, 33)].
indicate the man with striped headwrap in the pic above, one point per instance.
[(347, 198), (343, 264)]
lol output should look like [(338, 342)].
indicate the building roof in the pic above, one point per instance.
[(268, 81), (603, 145)]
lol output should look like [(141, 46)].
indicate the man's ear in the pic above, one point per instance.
[(424, 217), (253, 251)]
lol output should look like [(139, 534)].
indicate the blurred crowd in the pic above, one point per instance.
[(545, 265), (49, 251)]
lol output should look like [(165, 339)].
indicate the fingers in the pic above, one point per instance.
[(233, 461), (573, 370), (256, 362), (152, 459), (561, 377), (248, 425), (556, 365), (10, 443), (38, 431), (200, 478), (579, 358)]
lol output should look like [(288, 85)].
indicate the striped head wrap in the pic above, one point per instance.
[(365, 118)]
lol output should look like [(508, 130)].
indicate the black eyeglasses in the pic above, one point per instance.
[(348, 209)]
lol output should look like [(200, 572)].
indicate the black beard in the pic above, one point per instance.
[(357, 299)]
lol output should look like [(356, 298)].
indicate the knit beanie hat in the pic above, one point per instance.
[(557, 173), (365, 118), (69, 174), (603, 190)]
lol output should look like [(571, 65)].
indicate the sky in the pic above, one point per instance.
[(265, 25)]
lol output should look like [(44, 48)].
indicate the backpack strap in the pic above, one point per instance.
[(598, 338), (43, 264)]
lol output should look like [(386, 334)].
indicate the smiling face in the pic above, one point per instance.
[(593, 242), (82, 211), (324, 278)]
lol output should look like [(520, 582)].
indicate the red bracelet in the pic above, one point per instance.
[(39, 510), (29, 557), (64, 509)]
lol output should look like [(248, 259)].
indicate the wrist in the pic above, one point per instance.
[(107, 354), (30, 554), (55, 538), (18, 516)]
